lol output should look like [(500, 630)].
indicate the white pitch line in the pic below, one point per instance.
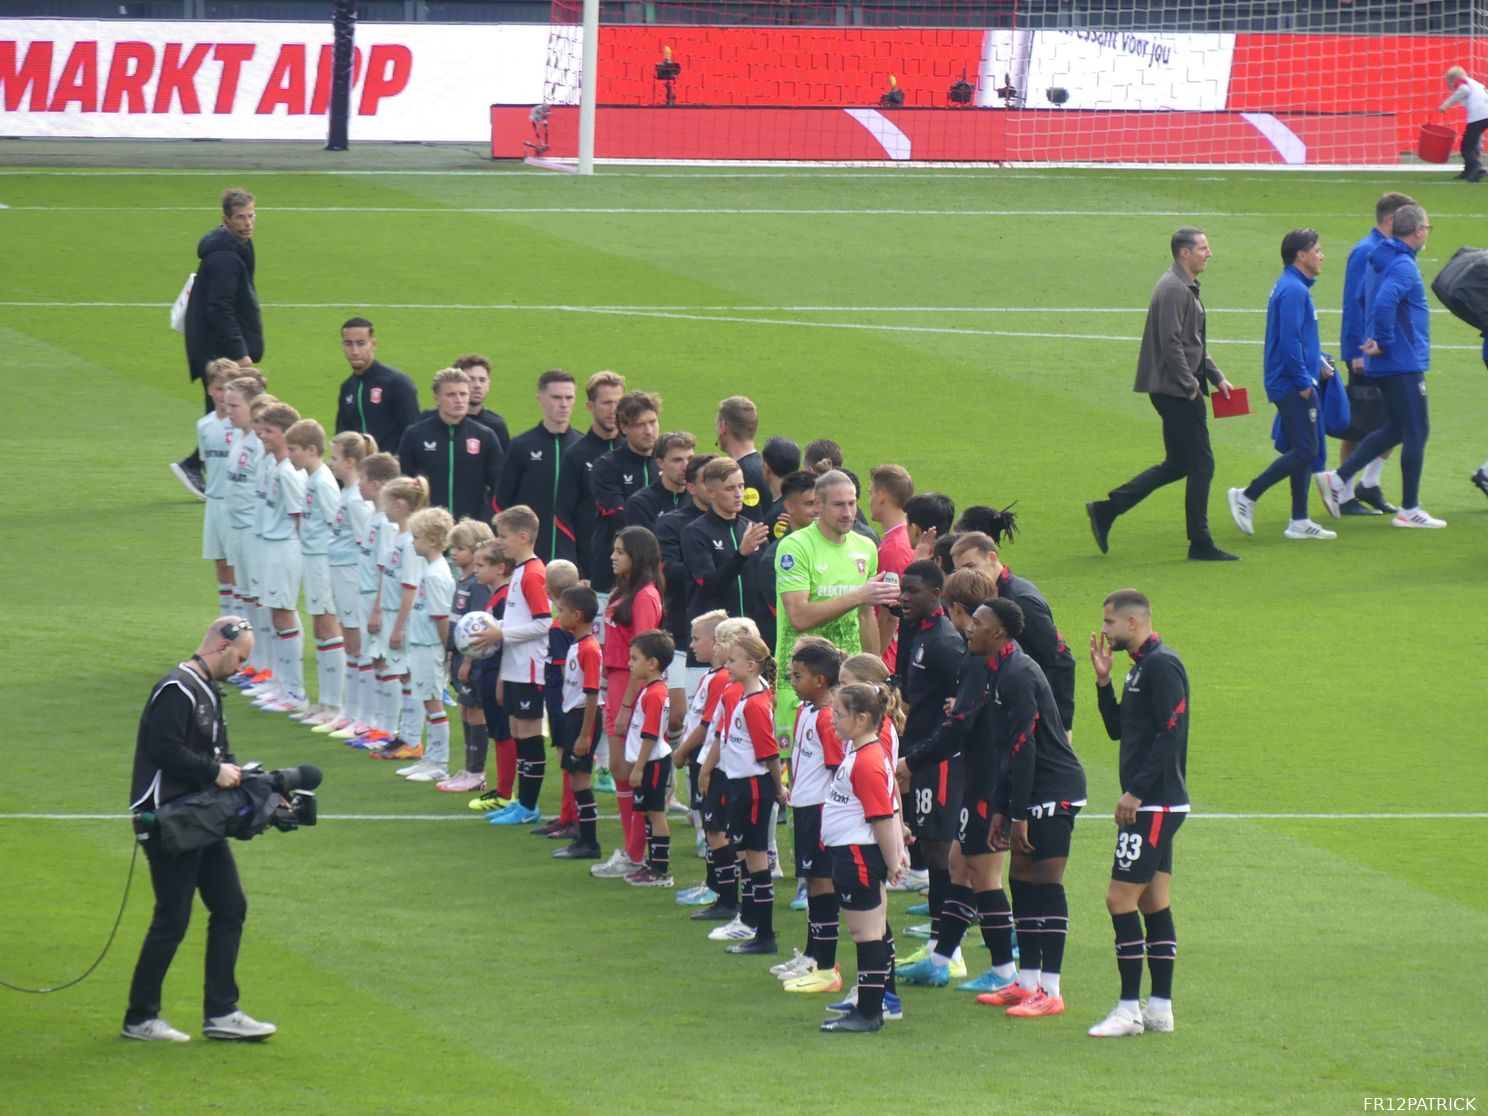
[(468, 817)]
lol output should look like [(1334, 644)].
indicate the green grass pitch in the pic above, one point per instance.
[(979, 327)]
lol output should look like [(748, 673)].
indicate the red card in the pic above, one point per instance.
[(1237, 404)]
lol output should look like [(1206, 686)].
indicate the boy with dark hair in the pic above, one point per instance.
[(577, 730), (928, 516), (647, 752)]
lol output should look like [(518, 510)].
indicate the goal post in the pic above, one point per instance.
[(1299, 83)]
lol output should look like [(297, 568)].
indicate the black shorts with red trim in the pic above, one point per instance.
[(935, 800), (858, 874), (749, 802), (1145, 849), (694, 776), (656, 780), (812, 861), (713, 806), (522, 700), (1051, 834), (975, 832), (565, 732)]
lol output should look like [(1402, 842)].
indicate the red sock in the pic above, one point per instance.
[(569, 815), (506, 766), (624, 800), (635, 841)]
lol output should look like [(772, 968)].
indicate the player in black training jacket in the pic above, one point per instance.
[(1040, 788), (1041, 638), (616, 477), (376, 398), (459, 457), (668, 530), (1152, 724), (717, 544), (538, 471)]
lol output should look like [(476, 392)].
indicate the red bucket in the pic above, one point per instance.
[(1435, 144)]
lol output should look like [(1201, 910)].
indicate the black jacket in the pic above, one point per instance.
[(381, 402), (614, 479), (668, 530), (539, 472), (648, 505), (1042, 641), (715, 568), (1152, 724), (927, 671), (589, 448), (756, 492), (222, 315), (1041, 770), (462, 464), (486, 418), (181, 742)]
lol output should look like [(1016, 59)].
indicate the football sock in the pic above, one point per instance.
[(659, 852), (821, 928), (330, 672), (226, 599), (940, 883), (625, 803), (955, 918), (995, 915), (355, 673), (746, 895), (569, 815), (506, 766), (292, 658), (726, 877), (385, 715), (588, 816), (1162, 948), (773, 829), (437, 750), (635, 836), (410, 714), (764, 903), (1054, 908), (1370, 476), (892, 984), (1129, 950), (874, 969), (1030, 937), (531, 767), (710, 875), (475, 748)]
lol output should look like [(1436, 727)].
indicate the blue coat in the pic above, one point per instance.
[(1293, 351), (1395, 311), (1351, 336)]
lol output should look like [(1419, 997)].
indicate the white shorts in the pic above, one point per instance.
[(372, 645), (244, 567), (347, 596), (280, 578), (397, 660), (215, 531), (317, 576), (426, 671)]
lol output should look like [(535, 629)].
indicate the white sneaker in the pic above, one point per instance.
[(798, 966), (335, 721), (775, 872), (1416, 517), (430, 772), (1307, 529), (1118, 1024), (1333, 491), (734, 931), (1241, 510), (288, 704), (411, 768), (321, 715), (1157, 1021), (304, 715), (617, 867), (237, 1025), (153, 1030), (912, 880)]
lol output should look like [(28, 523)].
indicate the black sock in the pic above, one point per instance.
[(1026, 916), (710, 878), (955, 918), (660, 853), (726, 877), (995, 914), (892, 984), (746, 895), (916, 850), (532, 765), (822, 925), (875, 969), (1129, 949), (588, 816), (1162, 949), (1055, 909), (764, 903), (940, 884), (475, 748)]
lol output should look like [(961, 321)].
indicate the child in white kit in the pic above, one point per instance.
[(428, 635)]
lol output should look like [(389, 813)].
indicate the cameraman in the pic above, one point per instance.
[(182, 748)]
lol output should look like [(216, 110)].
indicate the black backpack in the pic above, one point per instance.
[(1462, 286)]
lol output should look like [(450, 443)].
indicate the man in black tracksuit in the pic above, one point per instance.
[(459, 457), (717, 544), (602, 396), (182, 748), (222, 314), (539, 470), (1151, 722), (376, 398), (669, 529), (670, 491), (618, 476)]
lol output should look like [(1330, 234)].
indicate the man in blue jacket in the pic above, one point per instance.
[(1397, 354), (1294, 362), (1366, 401)]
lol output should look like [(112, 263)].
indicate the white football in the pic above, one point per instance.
[(467, 627)]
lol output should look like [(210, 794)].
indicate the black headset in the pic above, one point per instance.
[(234, 628)]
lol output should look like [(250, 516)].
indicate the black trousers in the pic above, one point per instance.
[(1472, 141), (176, 880), (193, 459), (1185, 428)]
